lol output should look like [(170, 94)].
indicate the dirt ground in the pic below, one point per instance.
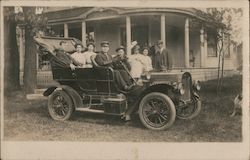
[(30, 121)]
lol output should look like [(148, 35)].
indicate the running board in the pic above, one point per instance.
[(89, 110), (97, 111)]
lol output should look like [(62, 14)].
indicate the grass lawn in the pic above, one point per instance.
[(29, 120)]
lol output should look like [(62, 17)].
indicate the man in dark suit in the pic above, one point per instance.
[(63, 59), (162, 58), (105, 59)]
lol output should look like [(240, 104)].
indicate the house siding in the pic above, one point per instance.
[(109, 33)]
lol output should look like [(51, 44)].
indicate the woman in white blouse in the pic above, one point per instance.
[(89, 53), (78, 56), (146, 60), (135, 61)]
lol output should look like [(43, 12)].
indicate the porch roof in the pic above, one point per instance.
[(83, 13)]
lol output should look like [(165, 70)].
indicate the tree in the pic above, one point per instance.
[(11, 54), (32, 23), (229, 22)]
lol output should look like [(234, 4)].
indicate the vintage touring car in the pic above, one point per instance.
[(160, 98)]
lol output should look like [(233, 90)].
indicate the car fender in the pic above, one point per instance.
[(76, 98), (163, 88)]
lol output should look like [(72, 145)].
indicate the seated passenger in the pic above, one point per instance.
[(135, 61), (63, 59), (105, 59), (146, 60), (121, 55), (89, 53), (78, 56)]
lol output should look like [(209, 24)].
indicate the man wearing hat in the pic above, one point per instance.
[(105, 59), (122, 57), (162, 59), (63, 59)]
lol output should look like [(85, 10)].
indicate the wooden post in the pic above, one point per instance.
[(202, 46), (163, 29), (66, 30), (187, 43), (128, 35), (149, 33), (205, 48), (21, 49), (84, 33)]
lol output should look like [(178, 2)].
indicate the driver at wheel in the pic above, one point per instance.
[(105, 59)]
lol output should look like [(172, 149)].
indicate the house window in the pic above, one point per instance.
[(211, 45)]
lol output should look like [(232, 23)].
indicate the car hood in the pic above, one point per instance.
[(166, 76)]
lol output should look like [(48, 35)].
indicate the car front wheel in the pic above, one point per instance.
[(157, 111), (60, 105), (188, 110)]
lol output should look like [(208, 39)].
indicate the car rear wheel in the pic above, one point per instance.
[(189, 110), (60, 105), (157, 111)]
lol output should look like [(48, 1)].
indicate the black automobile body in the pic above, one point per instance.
[(161, 97)]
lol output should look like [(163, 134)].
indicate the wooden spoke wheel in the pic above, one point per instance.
[(188, 110), (157, 111), (60, 105)]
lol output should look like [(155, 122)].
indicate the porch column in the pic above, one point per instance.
[(22, 48), (205, 48), (202, 46), (66, 30), (128, 35), (149, 33), (163, 29), (187, 42), (84, 33)]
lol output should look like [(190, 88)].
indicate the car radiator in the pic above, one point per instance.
[(187, 85)]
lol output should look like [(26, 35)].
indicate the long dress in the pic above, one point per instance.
[(147, 63), (136, 65)]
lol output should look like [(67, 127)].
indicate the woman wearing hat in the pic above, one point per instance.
[(135, 60)]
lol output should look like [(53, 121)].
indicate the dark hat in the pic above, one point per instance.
[(91, 43), (121, 47), (104, 43), (159, 42)]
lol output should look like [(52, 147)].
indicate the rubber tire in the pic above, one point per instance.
[(69, 101), (195, 113), (171, 108)]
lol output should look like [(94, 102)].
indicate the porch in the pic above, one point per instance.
[(186, 42), (191, 44)]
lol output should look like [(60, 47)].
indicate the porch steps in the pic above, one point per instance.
[(38, 95), (40, 91), (35, 97)]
